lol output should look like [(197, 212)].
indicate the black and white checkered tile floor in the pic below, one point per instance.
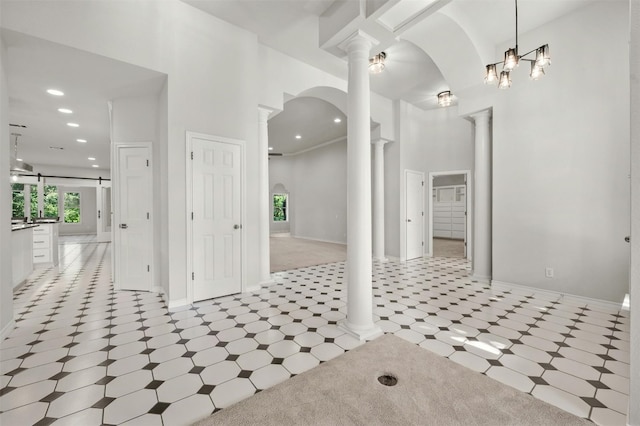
[(84, 354)]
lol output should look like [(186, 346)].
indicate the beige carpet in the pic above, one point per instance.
[(443, 247), (431, 390), (292, 253)]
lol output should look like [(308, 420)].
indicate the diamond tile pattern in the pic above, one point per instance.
[(82, 353)]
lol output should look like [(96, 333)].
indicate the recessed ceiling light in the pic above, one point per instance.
[(81, 140), (94, 165), (55, 92), (270, 148), (298, 137), (91, 159), (337, 120), (18, 159), (73, 125), (65, 110)]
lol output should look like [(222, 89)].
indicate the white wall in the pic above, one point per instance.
[(320, 198), (88, 211), (6, 290), (634, 388), (560, 160), (202, 95), (427, 141), (317, 185)]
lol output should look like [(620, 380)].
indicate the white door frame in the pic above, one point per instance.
[(189, 206), (403, 215), (468, 194), (115, 197)]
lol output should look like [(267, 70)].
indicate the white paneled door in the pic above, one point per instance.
[(414, 214), (103, 201), (133, 237), (216, 216)]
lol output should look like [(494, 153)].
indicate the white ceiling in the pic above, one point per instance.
[(290, 26), (312, 119), (88, 81)]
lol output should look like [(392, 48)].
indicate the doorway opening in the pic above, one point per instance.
[(449, 214)]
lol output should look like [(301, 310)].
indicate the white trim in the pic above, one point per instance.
[(313, 148), (469, 198), (115, 204), (587, 301), (7, 330), (189, 136), (319, 240), (179, 303)]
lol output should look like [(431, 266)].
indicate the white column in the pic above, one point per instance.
[(359, 322), (265, 199), (481, 264), (378, 201)]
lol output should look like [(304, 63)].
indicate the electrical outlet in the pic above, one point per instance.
[(548, 272)]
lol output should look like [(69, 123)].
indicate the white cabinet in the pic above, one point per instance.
[(21, 254), (45, 244), (449, 207)]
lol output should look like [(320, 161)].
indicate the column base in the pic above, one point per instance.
[(267, 282), (361, 333), (481, 279)]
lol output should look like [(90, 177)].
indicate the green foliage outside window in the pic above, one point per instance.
[(17, 208), (279, 207), (34, 201), (50, 201), (71, 207)]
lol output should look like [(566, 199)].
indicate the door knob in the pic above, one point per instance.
[(408, 220), (236, 226), (627, 238), (123, 226)]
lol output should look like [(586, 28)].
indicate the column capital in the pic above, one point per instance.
[(358, 39), (264, 112), (481, 116), (381, 142)]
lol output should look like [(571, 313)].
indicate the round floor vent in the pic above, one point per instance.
[(388, 380)]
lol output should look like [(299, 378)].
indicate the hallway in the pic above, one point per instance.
[(83, 353)]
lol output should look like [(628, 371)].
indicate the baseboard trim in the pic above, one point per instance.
[(173, 304), (393, 259), (7, 329), (320, 240), (587, 301)]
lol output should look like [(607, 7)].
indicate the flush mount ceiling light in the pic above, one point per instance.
[(91, 159), (94, 165), (337, 120), (512, 60), (65, 110), (376, 64), (444, 98), (270, 148), (81, 140), (55, 92), (298, 137), (73, 125)]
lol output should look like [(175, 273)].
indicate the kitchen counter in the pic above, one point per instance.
[(21, 226)]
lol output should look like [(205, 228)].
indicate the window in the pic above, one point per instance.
[(71, 207), (17, 209), (34, 201), (280, 207), (50, 201)]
